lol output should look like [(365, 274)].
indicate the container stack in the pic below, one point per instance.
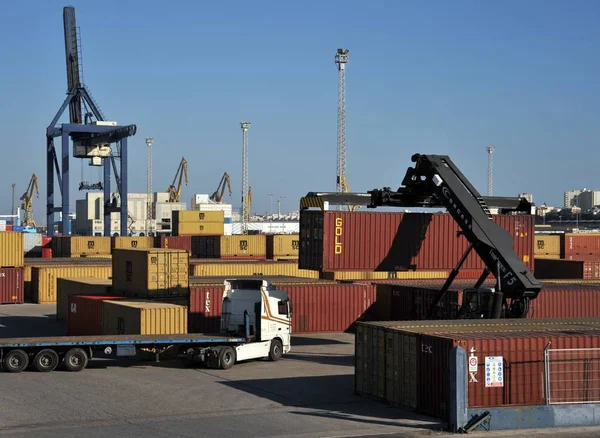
[(12, 260), (573, 256), (81, 246), (198, 223)]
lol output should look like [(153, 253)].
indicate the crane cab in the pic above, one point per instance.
[(478, 303)]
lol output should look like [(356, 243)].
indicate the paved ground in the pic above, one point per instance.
[(307, 394)]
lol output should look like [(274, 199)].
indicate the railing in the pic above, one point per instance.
[(572, 375)]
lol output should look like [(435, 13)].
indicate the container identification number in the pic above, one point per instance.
[(338, 235)]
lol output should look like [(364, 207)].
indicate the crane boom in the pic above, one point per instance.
[(26, 203), (225, 183), (435, 181), (182, 173)]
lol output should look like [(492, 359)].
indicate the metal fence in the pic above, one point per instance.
[(572, 375)]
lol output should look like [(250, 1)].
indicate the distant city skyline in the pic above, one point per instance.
[(449, 78)]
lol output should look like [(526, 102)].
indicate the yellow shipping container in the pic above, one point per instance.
[(132, 242), (199, 229), (251, 268), (44, 279), (548, 256), (11, 249), (283, 246), (142, 317), (71, 246), (244, 246), (547, 244), (66, 287), (154, 272), (196, 216), (400, 275)]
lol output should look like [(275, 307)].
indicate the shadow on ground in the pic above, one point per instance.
[(332, 397), (346, 360), (302, 341), (31, 326)]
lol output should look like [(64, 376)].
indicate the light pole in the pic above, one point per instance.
[(149, 141), (271, 212), (12, 210)]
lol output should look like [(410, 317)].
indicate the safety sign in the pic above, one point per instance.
[(494, 371)]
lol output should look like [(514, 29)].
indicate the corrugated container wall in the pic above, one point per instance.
[(132, 242), (254, 246), (397, 275), (141, 317), (248, 268), (581, 244), (176, 242), (11, 286), (11, 249), (283, 246), (71, 246), (199, 229), (32, 244), (547, 244), (65, 287), (206, 247), (558, 269), (84, 317), (319, 307), (198, 216), (354, 241), (150, 272), (44, 279)]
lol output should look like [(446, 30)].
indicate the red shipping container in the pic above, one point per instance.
[(46, 247), (581, 244), (11, 286), (318, 307), (177, 242), (349, 241), (85, 314)]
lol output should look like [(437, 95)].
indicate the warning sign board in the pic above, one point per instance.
[(473, 362), (494, 371)]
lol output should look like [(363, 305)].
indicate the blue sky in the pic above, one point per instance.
[(437, 77)]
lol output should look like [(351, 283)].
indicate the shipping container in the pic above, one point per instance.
[(317, 307), (404, 275), (244, 246), (142, 317), (581, 244), (206, 247), (547, 244), (132, 242), (65, 287), (176, 242), (32, 244), (84, 314), (381, 373), (11, 286), (333, 241), (283, 246), (196, 216), (11, 249), (249, 268), (548, 256), (47, 247), (44, 278), (150, 272), (397, 302), (558, 269), (199, 229), (71, 246)]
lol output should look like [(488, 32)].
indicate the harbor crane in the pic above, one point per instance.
[(26, 201), (175, 192), (217, 196)]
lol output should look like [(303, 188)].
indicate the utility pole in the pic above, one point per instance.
[(12, 210), (490, 150), (245, 210), (149, 141), (341, 59)]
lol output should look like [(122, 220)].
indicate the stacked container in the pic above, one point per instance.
[(67, 287), (32, 245), (124, 242), (84, 314), (198, 223), (44, 278), (283, 246), (12, 261), (244, 246), (143, 317), (80, 246), (547, 246)]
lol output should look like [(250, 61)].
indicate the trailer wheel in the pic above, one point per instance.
[(15, 361), (46, 360), (276, 350), (226, 358), (76, 359)]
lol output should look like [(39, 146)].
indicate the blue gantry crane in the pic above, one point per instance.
[(91, 136)]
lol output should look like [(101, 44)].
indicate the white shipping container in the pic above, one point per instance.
[(32, 243), (228, 229)]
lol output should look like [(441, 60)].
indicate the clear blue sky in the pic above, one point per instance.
[(442, 77)]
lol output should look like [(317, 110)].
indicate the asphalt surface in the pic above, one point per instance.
[(309, 393)]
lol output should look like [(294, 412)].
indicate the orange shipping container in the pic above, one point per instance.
[(547, 244)]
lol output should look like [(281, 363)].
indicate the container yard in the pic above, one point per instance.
[(262, 306)]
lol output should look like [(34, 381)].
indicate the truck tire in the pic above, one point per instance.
[(76, 359), (276, 350), (15, 361), (226, 358), (46, 360)]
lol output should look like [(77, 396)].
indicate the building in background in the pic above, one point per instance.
[(570, 197), (527, 196), (587, 199)]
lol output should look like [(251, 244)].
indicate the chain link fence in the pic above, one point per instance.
[(572, 375)]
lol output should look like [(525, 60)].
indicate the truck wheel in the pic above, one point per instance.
[(46, 360), (226, 358), (76, 359), (15, 361), (276, 350)]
